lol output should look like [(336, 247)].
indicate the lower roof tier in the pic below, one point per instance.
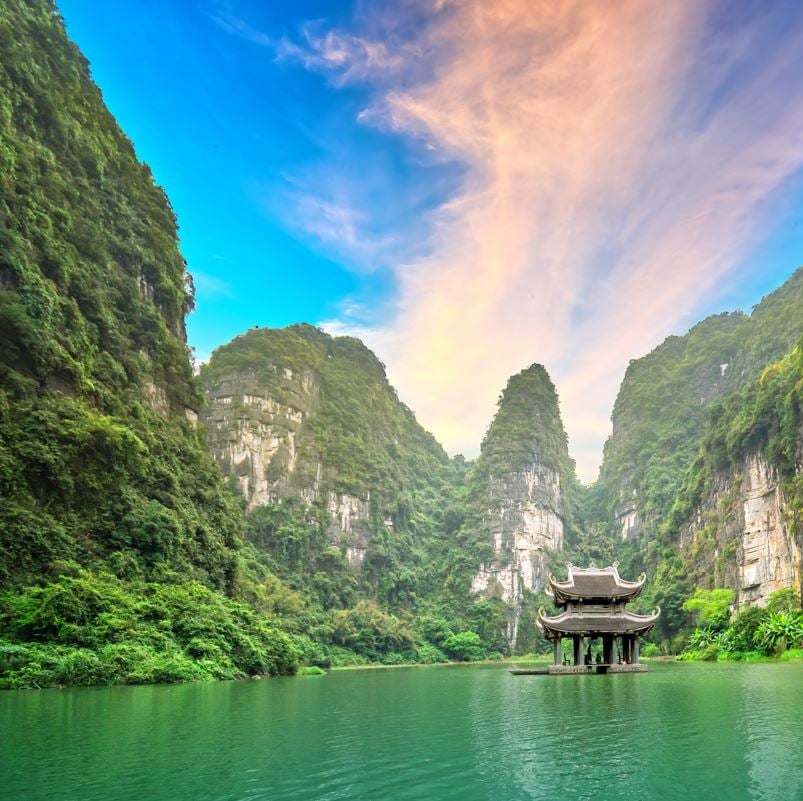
[(596, 624)]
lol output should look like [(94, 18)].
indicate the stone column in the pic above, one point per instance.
[(557, 651), (635, 649), (582, 650), (626, 640), (606, 648), (576, 639)]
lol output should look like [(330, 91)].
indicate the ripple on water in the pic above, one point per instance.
[(679, 732)]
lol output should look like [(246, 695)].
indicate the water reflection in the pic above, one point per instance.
[(463, 733)]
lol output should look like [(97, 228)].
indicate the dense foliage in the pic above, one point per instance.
[(93, 628), (97, 459), (116, 529), (755, 632), (663, 407), (686, 417)]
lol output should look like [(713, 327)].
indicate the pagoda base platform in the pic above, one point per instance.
[(560, 670)]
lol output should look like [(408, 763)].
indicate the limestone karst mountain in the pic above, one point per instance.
[(348, 534), (662, 408), (100, 458), (524, 485), (295, 414), (120, 546), (732, 520)]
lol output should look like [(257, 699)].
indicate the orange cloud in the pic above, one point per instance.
[(614, 175)]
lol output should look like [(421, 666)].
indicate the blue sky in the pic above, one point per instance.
[(470, 188)]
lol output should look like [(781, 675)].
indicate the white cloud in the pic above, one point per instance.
[(619, 161)]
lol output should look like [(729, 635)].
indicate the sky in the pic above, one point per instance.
[(469, 187)]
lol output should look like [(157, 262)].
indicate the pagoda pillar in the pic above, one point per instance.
[(607, 648), (577, 652), (627, 639), (580, 650), (635, 649), (557, 651)]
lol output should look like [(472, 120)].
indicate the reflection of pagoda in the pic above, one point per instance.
[(593, 601)]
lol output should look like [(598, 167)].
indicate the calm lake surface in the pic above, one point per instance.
[(682, 731)]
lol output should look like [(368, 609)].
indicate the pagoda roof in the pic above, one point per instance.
[(595, 623), (594, 582)]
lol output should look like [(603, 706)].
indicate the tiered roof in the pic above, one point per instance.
[(596, 598)]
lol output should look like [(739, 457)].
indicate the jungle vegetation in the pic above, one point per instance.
[(125, 557)]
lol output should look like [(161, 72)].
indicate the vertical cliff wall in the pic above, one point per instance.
[(99, 461), (663, 406), (297, 415), (745, 491), (745, 534), (522, 482)]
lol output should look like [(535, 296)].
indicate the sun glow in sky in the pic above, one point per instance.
[(468, 186)]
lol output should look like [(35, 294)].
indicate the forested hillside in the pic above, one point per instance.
[(663, 406), (285, 508), (524, 493), (350, 501), (114, 516), (700, 479)]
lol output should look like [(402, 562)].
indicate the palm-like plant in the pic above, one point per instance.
[(779, 631)]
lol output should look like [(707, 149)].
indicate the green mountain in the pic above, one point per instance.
[(119, 543), (306, 517), (523, 489), (664, 404), (700, 479), (350, 501), (300, 420)]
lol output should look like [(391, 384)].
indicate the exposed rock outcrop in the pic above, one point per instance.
[(521, 478), (255, 423), (296, 414), (743, 534)]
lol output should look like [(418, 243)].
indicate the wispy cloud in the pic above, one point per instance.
[(619, 160), (330, 211), (343, 55)]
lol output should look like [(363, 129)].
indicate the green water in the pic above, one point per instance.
[(476, 732)]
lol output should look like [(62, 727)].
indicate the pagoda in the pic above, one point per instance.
[(593, 600)]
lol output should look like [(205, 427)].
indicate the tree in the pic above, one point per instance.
[(712, 607), (465, 646)]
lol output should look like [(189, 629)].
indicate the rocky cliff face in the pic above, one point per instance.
[(259, 435), (662, 409), (255, 427), (295, 414), (744, 534), (522, 480)]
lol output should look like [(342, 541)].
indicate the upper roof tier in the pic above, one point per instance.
[(594, 582)]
